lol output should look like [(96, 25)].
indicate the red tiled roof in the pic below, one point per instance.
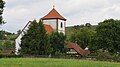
[(53, 14), (7, 51), (76, 47), (48, 28)]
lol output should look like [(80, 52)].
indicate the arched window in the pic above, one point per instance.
[(61, 25)]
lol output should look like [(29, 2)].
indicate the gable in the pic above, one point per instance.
[(53, 14), (77, 48)]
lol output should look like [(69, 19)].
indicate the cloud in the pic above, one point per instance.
[(18, 12)]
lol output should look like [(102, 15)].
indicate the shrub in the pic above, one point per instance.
[(104, 56), (58, 53), (93, 54), (9, 56), (116, 58), (8, 45)]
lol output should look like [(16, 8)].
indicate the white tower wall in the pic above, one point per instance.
[(51, 22), (61, 26)]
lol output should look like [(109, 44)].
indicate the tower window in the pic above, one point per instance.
[(61, 25)]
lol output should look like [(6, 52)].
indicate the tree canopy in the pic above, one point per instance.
[(2, 5), (108, 35), (83, 37), (57, 41), (35, 40)]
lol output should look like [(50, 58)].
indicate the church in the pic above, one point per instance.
[(53, 21)]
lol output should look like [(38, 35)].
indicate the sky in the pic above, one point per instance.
[(18, 13)]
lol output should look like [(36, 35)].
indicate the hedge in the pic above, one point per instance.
[(10, 56)]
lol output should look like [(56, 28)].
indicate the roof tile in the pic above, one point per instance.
[(48, 28), (53, 14), (77, 48)]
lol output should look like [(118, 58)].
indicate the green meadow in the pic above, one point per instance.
[(50, 62)]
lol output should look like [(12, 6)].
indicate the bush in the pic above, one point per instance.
[(93, 54), (116, 58), (8, 45), (104, 56), (58, 53), (10, 56)]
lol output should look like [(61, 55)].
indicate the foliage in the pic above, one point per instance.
[(2, 5), (11, 37), (0, 45), (83, 37), (82, 26), (8, 46), (35, 40), (51, 62), (93, 44), (88, 25), (108, 35), (10, 56), (103, 56), (77, 27), (68, 32), (2, 35), (19, 31), (57, 41), (116, 58)]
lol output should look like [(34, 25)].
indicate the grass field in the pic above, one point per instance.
[(48, 62)]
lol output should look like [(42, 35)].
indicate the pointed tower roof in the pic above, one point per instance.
[(53, 14)]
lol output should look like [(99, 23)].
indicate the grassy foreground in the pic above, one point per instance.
[(47, 62)]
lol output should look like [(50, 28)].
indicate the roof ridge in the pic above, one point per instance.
[(53, 14)]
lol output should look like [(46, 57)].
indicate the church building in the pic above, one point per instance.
[(53, 21)]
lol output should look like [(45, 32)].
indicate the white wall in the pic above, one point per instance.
[(18, 39), (51, 22), (17, 43), (63, 26)]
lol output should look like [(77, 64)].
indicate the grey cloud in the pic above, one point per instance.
[(18, 12)]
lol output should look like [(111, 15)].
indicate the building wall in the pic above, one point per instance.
[(18, 39), (51, 22), (61, 28), (17, 43)]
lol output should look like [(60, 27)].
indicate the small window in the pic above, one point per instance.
[(61, 25)]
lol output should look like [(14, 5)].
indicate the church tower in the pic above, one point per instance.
[(55, 20)]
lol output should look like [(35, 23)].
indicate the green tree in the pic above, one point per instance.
[(57, 41), (2, 35), (0, 45), (2, 5), (83, 37), (88, 25), (108, 35), (93, 47), (35, 40), (8, 45), (18, 32)]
